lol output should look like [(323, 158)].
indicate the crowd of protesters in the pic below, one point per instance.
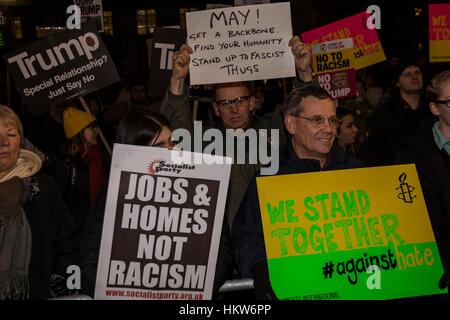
[(54, 169)]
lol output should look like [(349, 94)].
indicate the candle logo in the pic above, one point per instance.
[(405, 189)]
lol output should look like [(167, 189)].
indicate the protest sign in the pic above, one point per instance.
[(164, 43), (162, 226), (367, 47), (439, 30), (333, 65), (249, 2), (240, 44), (92, 9), (349, 234), (64, 65)]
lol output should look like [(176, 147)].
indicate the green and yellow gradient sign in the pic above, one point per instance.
[(349, 234)]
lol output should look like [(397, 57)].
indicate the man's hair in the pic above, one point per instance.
[(292, 106), (434, 88), (245, 84), (402, 65)]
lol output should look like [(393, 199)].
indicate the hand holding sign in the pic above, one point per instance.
[(302, 54), (180, 68)]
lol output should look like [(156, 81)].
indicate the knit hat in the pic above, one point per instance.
[(75, 121)]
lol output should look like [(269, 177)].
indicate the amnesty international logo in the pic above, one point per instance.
[(405, 189)]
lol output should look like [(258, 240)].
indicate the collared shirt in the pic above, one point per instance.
[(406, 105), (440, 139)]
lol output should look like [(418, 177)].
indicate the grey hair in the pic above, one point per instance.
[(292, 106)]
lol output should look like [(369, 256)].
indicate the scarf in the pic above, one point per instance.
[(97, 178), (15, 232)]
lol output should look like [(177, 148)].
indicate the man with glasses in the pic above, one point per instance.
[(233, 104), (310, 118), (401, 115)]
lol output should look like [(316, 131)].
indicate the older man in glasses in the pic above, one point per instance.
[(233, 104), (310, 119)]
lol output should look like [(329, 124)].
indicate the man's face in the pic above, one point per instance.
[(411, 80), (234, 116), (310, 141), (138, 93), (340, 80)]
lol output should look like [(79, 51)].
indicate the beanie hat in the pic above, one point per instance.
[(75, 121)]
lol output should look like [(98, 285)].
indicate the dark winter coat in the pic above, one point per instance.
[(392, 124), (52, 231), (247, 232), (433, 168)]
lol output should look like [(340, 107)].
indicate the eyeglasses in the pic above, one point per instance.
[(238, 102), (319, 121), (446, 102)]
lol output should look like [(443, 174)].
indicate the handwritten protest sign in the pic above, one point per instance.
[(333, 64), (366, 44), (162, 226), (439, 27), (92, 9), (349, 234), (240, 44), (64, 65)]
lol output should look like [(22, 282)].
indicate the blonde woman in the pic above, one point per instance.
[(36, 229)]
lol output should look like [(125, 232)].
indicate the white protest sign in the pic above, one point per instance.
[(240, 44), (162, 226), (92, 9)]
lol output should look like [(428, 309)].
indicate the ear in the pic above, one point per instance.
[(216, 109), (434, 109), (290, 124)]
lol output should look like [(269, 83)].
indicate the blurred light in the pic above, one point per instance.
[(418, 12)]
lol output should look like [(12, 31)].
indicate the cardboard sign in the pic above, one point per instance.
[(240, 44), (249, 2), (164, 43), (349, 234), (366, 44), (439, 27), (333, 65), (92, 9), (62, 66), (162, 226)]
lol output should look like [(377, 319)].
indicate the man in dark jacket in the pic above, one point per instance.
[(401, 115), (310, 118)]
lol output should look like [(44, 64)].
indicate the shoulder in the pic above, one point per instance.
[(342, 160)]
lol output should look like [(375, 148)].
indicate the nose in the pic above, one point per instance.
[(4, 141), (234, 108)]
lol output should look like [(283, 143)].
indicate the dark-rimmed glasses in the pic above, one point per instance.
[(238, 102), (445, 102)]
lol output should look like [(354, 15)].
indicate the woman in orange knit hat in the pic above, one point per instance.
[(83, 172)]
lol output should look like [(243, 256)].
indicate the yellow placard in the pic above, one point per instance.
[(330, 207)]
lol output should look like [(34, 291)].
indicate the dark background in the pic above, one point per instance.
[(404, 24)]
